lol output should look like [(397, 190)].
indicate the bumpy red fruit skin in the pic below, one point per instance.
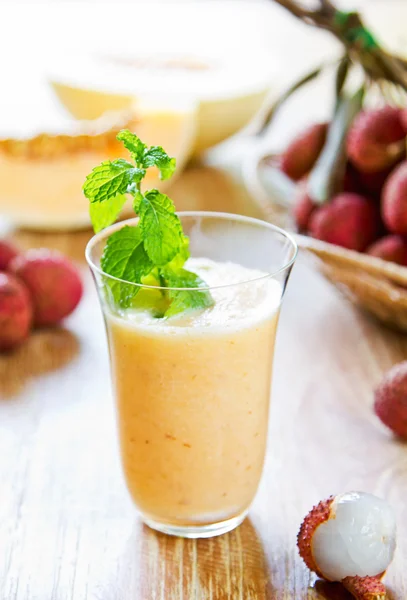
[(351, 181), (303, 207), (375, 140), (390, 403), (54, 284), (404, 119), (350, 221), (300, 156), (7, 253), (391, 247), (15, 311), (372, 183), (394, 200), (365, 588), (319, 514)]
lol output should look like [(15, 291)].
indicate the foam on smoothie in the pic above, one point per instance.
[(235, 305)]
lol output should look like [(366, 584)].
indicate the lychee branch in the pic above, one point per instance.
[(360, 44)]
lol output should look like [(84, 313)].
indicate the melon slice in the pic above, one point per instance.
[(41, 178), (228, 92)]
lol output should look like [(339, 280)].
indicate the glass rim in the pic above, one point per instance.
[(194, 213)]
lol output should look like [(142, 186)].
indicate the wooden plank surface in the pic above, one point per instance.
[(67, 527)]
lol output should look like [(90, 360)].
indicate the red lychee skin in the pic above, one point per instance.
[(319, 514), (351, 180), (372, 183), (394, 200), (375, 140), (7, 253), (350, 221), (15, 311), (303, 206), (404, 119), (300, 156), (391, 247), (365, 588), (54, 284), (390, 403)]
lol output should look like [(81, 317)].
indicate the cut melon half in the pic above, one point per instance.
[(227, 91), (41, 178)]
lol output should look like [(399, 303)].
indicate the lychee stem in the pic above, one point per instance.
[(365, 588)]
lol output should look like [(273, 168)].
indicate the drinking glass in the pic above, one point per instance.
[(193, 391)]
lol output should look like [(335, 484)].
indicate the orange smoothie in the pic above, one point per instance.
[(193, 394)]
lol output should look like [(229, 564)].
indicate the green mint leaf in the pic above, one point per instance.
[(181, 300), (182, 255), (160, 227), (133, 144), (157, 157), (111, 178), (138, 196), (124, 257), (153, 252), (103, 214)]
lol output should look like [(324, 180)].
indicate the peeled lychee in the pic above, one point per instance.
[(303, 206), (390, 403), (300, 156), (394, 200), (350, 221), (7, 253), (54, 283), (15, 311), (390, 247), (350, 538), (376, 139)]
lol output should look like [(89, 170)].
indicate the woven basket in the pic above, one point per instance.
[(377, 286)]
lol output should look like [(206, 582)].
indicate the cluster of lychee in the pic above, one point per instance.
[(369, 214), (38, 288)]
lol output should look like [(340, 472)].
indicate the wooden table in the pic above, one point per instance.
[(67, 527)]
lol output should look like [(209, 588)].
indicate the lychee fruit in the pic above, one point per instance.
[(372, 183), (7, 253), (15, 311), (404, 119), (376, 139), (394, 200), (390, 247), (54, 284), (350, 221), (351, 180), (300, 156), (390, 403), (350, 538), (303, 206)]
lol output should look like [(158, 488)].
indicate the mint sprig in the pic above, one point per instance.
[(161, 228), (110, 178), (154, 251), (107, 216), (183, 299)]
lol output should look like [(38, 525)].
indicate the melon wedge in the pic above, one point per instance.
[(227, 92), (41, 178)]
